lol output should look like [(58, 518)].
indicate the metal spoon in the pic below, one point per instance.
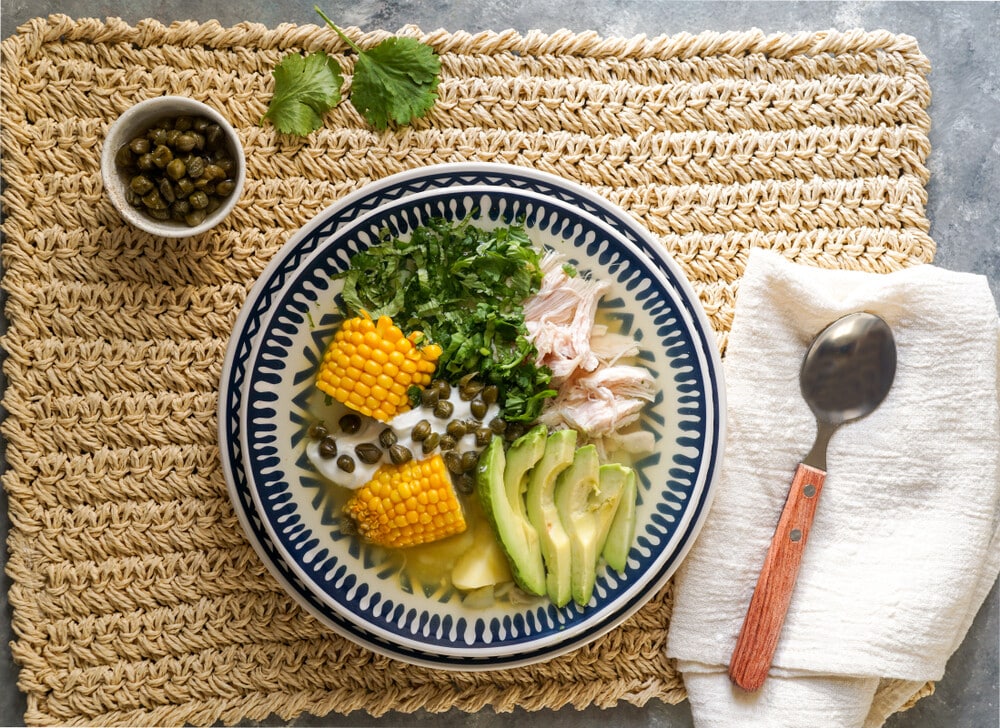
[(845, 375)]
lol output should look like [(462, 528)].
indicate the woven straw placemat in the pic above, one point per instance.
[(136, 598)]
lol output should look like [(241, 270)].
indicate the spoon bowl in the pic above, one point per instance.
[(846, 374)]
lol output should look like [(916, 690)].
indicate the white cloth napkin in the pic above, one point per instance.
[(905, 544)]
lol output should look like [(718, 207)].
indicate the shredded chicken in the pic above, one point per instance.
[(560, 317), (601, 402), (598, 396)]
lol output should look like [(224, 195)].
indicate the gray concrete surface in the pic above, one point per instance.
[(964, 208)]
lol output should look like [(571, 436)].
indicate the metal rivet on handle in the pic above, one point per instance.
[(795, 535)]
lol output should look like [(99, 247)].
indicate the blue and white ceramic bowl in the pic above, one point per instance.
[(267, 383)]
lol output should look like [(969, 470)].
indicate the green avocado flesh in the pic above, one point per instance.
[(555, 510), (587, 495), (542, 512), (501, 482), (622, 531)]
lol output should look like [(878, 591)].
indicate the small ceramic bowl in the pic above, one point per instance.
[(133, 123)]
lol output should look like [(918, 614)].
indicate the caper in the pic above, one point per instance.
[(201, 124), (497, 425), (172, 136), (139, 145), (470, 389), (183, 123), (465, 483), (491, 393), (162, 156), (443, 409), (453, 461), (133, 198), (213, 135), (167, 191), (456, 428), (431, 442), (421, 430), (184, 186), (214, 171), (124, 156), (145, 163), (429, 396), (483, 436), (195, 217), (185, 143), (328, 447), (141, 184), (198, 200), (387, 438), (448, 442), (157, 136), (368, 452), (350, 423), (478, 408), (225, 188), (346, 463), (443, 388), (470, 459), (514, 430), (226, 164), (158, 214), (180, 207), (154, 201), (176, 169), (196, 167), (399, 454)]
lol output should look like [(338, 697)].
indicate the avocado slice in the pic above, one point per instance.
[(560, 449), (611, 481), (622, 531), (574, 488), (500, 482), (586, 497)]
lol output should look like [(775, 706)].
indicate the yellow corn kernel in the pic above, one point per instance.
[(407, 505), (365, 352)]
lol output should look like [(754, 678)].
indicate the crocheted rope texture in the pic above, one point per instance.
[(136, 597)]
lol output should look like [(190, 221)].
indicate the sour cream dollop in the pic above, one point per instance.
[(402, 426)]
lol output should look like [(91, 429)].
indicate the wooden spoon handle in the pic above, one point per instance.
[(758, 638)]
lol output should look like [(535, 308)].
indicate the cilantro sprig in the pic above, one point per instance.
[(464, 287), (394, 82)]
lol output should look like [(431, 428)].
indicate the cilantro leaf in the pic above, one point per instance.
[(396, 81), (305, 88)]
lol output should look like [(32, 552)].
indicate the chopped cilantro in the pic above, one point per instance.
[(464, 288)]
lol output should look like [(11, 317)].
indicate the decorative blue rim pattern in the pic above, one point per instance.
[(317, 251)]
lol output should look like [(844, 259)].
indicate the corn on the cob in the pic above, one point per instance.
[(370, 365), (407, 505)]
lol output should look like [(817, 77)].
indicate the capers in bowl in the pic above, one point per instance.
[(176, 169), (173, 166)]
